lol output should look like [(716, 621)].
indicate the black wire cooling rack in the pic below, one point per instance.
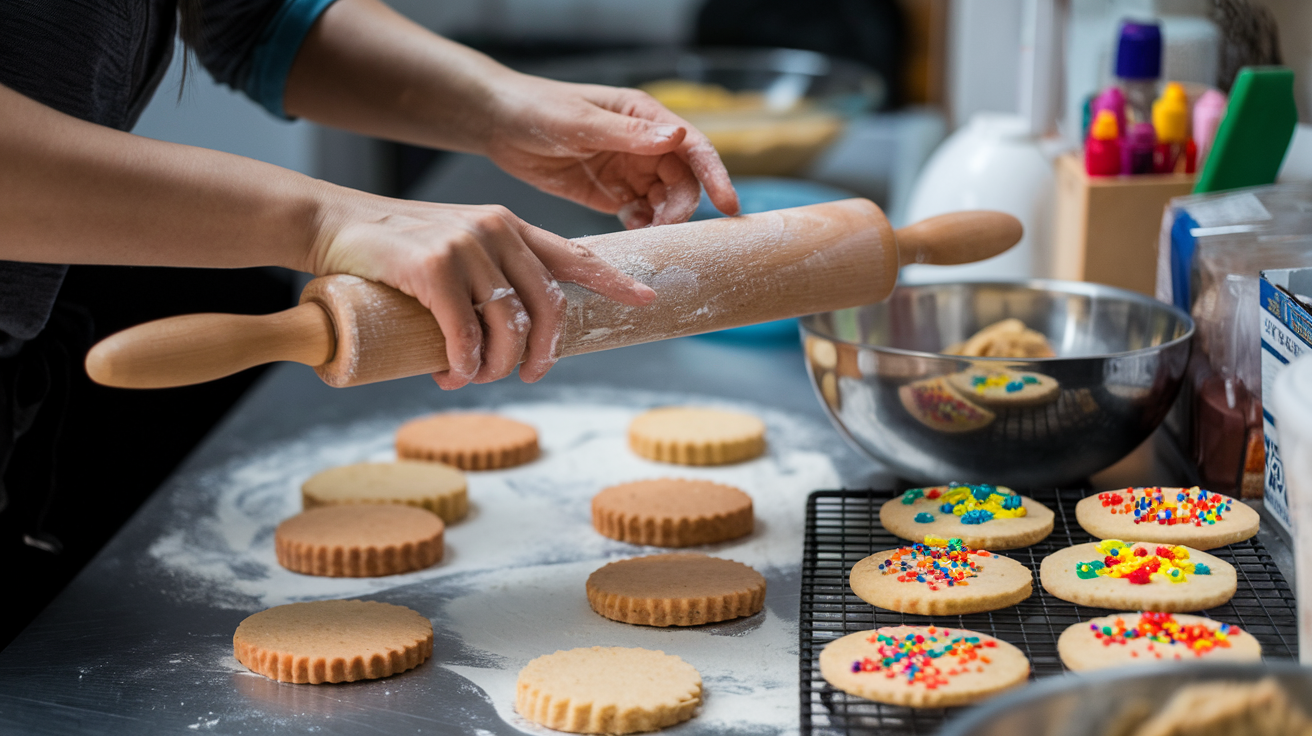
[(842, 527)]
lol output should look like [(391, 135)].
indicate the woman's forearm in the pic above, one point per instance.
[(75, 192), (365, 68)]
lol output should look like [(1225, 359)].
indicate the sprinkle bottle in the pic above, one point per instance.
[(1102, 152), (1171, 123)]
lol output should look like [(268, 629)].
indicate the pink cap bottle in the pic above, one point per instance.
[(1112, 100), (1208, 111)]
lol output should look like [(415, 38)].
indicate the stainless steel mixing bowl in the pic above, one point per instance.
[(1111, 702), (879, 374)]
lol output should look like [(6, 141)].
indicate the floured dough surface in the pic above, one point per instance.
[(1190, 516), (359, 540), (922, 666), (697, 436), (608, 690), (1145, 638), (942, 580), (468, 441), (434, 486), (333, 641), (933, 511), (672, 512), (675, 590), (1072, 575)]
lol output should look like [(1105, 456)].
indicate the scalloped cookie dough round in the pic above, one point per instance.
[(1072, 574), (672, 512), (468, 441), (1123, 639), (434, 486), (945, 667), (675, 590), (1004, 389), (1189, 516), (611, 690), (359, 540), (333, 641), (941, 580), (696, 436), (918, 513)]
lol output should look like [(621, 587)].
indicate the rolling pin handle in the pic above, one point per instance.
[(195, 348), (958, 237)]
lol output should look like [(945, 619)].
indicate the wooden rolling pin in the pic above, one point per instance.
[(708, 275)]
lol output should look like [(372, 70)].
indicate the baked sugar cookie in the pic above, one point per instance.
[(359, 540), (940, 578), (1190, 516), (922, 666), (672, 512), (937, 405), (433, 486), (1147, 638), (982, 516), (468, 441), (694, 436), (333, 641), (675, 590), (1003, 389), (1150, 577), (608, 690), (1008, 338)]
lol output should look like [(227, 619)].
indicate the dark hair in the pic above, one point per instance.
[(189, 30)]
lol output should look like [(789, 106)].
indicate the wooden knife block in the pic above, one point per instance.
[(1107, 226)]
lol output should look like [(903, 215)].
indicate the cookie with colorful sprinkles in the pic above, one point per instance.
[(941, 577), (935, 404), (982, 516), (1189, 516), (1138, 575), (1003, 389), (1147, 638), (922, 666)]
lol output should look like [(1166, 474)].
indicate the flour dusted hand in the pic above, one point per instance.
[(490, 279)]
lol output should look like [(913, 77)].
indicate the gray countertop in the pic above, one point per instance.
[(140, 642)]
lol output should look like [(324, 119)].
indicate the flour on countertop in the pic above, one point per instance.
[(511, 586)]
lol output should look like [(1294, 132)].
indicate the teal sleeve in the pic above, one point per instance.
[(271, 60)]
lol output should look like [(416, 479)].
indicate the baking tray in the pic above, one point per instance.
[(843, 526)]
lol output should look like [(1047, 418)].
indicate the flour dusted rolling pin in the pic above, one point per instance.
[(709, 275)]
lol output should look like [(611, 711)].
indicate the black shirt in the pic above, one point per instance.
[(101, 61)]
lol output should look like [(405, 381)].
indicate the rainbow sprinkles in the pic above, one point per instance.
[(1138, 565), (975, 504), (927, 658)]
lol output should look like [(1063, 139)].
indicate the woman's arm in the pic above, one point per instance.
[(75, 192), (365, 68)]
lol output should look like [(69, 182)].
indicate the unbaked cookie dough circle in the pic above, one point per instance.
[(434, 486), (1163, 637), (675, 590), (1059, 576), (963, 666), (610, 690), (1110, 515), (903, 585), (359, 540), (696, 436), (333, 641), (468, 441), (924, 516), (672, 512)]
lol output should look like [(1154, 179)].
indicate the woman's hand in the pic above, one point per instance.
[(489, 278), (613, 149)]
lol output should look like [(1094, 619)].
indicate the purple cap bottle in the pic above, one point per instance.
[(1137, 153), (1138, 68)]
